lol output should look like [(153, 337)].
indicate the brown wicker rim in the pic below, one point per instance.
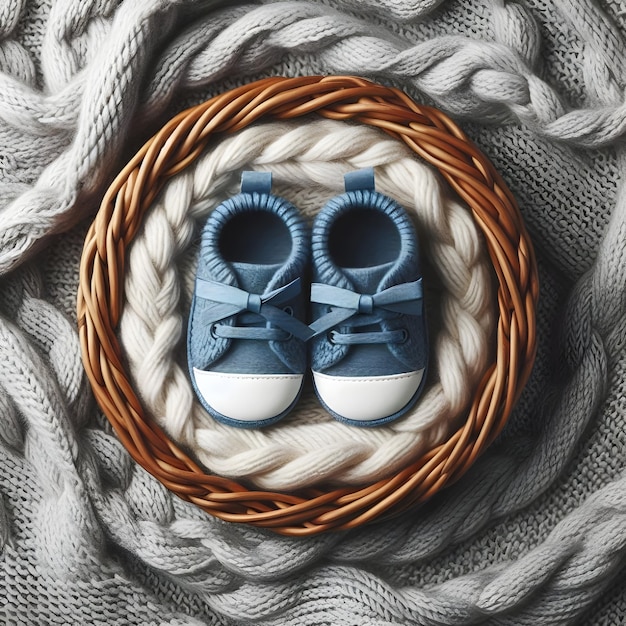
[(431, 135)]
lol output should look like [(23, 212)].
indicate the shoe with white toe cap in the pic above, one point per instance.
[(246, 335), (369, 354)]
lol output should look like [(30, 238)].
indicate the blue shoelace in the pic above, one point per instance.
[(272, 308), (352, 310)]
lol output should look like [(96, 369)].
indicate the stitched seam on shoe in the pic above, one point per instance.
[(247, 377), (370, 379)]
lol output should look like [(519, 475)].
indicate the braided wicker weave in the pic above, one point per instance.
[(433, 137)]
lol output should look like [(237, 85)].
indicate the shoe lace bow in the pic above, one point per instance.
[(357, 310), (272, 306)]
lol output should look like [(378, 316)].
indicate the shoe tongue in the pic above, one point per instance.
[(253, 277), (366, 279)]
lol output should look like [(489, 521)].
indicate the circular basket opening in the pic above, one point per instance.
[(431, 136)]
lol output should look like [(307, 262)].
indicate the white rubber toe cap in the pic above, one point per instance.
[(367, 398), (248, 397)]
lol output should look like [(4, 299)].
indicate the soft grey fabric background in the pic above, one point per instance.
[(534, 534)]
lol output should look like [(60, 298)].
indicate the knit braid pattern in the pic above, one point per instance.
[(534, 533), (467, 78), (310, 446)]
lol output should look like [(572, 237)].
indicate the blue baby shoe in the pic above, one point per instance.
[(246, 338), (370, 349)]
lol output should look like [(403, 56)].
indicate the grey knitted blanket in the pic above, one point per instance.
[(534, 534)]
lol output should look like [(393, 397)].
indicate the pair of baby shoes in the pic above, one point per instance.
[(249, 343)]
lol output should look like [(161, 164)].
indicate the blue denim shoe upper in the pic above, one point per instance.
[(248, 306), (367, 290)]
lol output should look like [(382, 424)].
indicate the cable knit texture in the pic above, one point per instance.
[(534, 533)]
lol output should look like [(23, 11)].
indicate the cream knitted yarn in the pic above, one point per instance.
[(309, 446)]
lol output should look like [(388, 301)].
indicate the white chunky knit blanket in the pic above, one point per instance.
[(534, 533)]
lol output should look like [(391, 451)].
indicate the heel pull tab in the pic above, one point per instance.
[(360, 180), (256, 182)]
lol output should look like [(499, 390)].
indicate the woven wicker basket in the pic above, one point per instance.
[(434, 138)]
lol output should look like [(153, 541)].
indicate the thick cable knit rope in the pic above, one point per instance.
[(104, 112), (547, 588), (308, 447), (575, 561), (465, 77), (47, 397), (14, 59)]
